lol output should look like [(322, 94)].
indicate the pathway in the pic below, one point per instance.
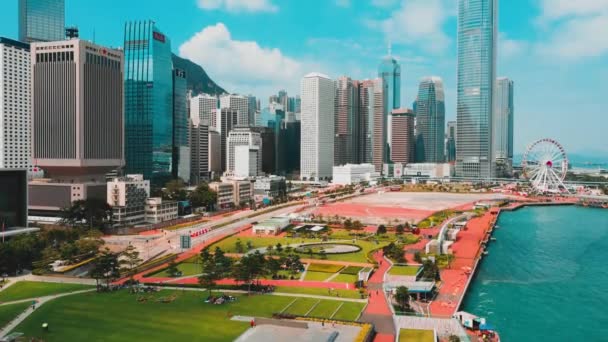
[(378, 311), (40, 301)]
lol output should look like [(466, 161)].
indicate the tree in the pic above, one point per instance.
[(175, 190), (94, 212), (453, 338), (273, 266), (293, 263), (269, 249), (279, 248), (399, 229), (249, 268), (172, 269), (430, 270), (322, 253), (129, 260), (238, 245), (213, 267), (249, 245), (203, 196), (402, 296), (418, 257), (357, 225), (105, 267), (348, 224), (288, 249), (381, 229)]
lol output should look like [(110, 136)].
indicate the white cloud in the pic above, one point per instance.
[(238, 5), (555, 9), (508, 48), (418, 22), (243, 66), (384, 3), (342, 3)]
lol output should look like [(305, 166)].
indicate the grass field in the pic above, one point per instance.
[(327, 268), (301, 306), (319, 292), (317, 276), (228, 244), (325, 308), (416, 335), (118, 316), (404, 270), (34, 289), (349, 311), (345, 278), (10, 312), (354, 270), (187, 269)]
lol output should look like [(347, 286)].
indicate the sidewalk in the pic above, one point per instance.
[(378, 311)]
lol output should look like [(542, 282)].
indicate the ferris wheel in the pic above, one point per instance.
[(545, 165)]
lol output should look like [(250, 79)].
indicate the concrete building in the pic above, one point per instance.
[(127, 196), (158, 211), (346, 138), (268, 150), (225, 194), (372, 100), (78, 117), (41, 20), (180, 162), (402, 150), (199, 152), (272, 226), (242, 191), (203, 107), (428, 170), (15, 104), (243, 136), (226, 119), (354, 173), (48, 197), (215, 153), (270, 186), (239, 104), (317, 147), (503, 127), (13, 198), (450, 144), (430, 121), (246, 161)]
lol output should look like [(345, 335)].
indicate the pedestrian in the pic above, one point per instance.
[(376, 292), (252, 323)]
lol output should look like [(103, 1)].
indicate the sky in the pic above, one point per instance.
[(556, 51)]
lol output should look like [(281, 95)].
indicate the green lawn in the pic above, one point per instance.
[(228, 244), (187, 269), (327, 268), (317, 276), (325, 308), (34, 289), (360, 256), (118, 316), (10, 312), (416, 335), (319, 292), (301, 306), (345, 278), (349, 311), (404, 270), (354, 270)]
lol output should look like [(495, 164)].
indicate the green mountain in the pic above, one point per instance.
[(197, 78)]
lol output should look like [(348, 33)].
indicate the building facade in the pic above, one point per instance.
[(127, 196), (317, 149), (372, 103), (227, 120), (215, 153), (158, 211), (15, 105), (203, 108), (346, 131), (225, 194), (402, 121), (270, 186), (13, 198), (477, 38), (243, 136), (77, 109), (430, 121), (389, 71), (354, 173), (199, 152), (239, 104), (246, 161), (503, 127), (148, 82), (181, 150), (41, 20), (450, 143)]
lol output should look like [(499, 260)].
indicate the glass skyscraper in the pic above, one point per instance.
[(430, 115), (148, 101), (503, 126), (181, 149), (390, 72), (41, 20), (477, 28)]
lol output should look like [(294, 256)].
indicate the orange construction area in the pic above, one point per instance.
[(362, 211)]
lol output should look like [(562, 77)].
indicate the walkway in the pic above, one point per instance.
[(39, 302), (378, 311), (274, 282)]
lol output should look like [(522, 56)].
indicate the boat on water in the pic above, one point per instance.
[(477, 327), (493, 239)]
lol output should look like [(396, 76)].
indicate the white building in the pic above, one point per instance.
[(15, 105), (225, 194), (246, 160), (429, 170), (127, 196), (272, 226), (199, 151), (203, 108), (238, 103), (354, 173), (317, 141), (158, 211), (271, 186), (242, 136)]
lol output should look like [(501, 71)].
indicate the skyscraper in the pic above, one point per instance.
[(226, 122), (403, 135), (15, 102), (251, 109), (41, 20), (202, 108), (346, 130), (390, 72), (77, 109), (317, 148), (503, 126), (477, 37), (243, 136), (430, 117), (450, 144), (372, 123), (181, 150), (238, 103), (148, 101), (199, 151)]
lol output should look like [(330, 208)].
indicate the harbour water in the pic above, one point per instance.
[(546, 276)]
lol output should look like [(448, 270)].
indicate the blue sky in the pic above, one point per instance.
[(555, 50)]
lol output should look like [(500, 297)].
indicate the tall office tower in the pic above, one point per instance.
[(503, 127), (251, 109), (243, 136), (226, 121), (430, 120), (372, 123), (317, 147), (148, 101), (477, 37), (283, 99), (390, 72), (403, 136), (450, 144), (273, 99), (238, 103), (346, 138), (215, 153), (199, 151), (41, 20), (181, 150), (15, 102), (203, 107), (268, 151), (77, 107)]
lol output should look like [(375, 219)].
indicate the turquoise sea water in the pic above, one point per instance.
[(546, 276)]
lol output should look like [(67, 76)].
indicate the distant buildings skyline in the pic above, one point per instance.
[(429, 109)]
